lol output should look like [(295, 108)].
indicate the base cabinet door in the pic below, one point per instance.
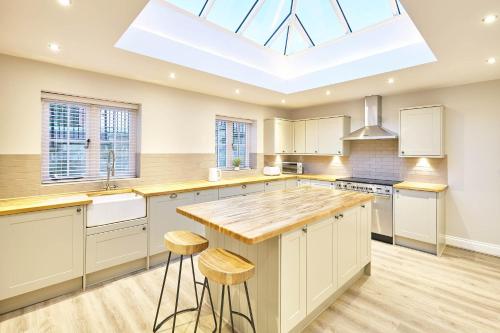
[(364, 229), (40, 249), (115, 247), (274, 185), (163, 218), (348, 244), (291, 183), (321, 262), (293, 279), (415, 215)]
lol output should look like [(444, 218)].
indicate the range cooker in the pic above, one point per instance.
[(382, 216)]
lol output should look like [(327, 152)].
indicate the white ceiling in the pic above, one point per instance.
[(88, 30)]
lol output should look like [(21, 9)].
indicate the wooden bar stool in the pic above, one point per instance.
[(182, 243), (226, 268)]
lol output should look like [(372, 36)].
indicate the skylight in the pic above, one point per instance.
[(290, 26)]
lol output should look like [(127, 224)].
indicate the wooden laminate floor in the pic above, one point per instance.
[(408, 291)]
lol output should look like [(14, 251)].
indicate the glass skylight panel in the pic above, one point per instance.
[(401, 8), (296, 42), (192, 6), (363, 13), (319, 20), (270, 16), (279, 42), (229, 14)]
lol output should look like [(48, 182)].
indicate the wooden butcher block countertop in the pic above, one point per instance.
[(33, 204), (258, 217), (427, 187)]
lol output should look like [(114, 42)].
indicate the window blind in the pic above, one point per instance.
[(232, 140), (77, 138)]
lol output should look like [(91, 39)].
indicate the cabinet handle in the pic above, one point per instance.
[(243, 186), (173, 195), (304, 230), (362, 206), (336, 217), (144, 228), (315, 151), (341, 215), (197, 193), (79, 209), (402, 152), (294, 151)]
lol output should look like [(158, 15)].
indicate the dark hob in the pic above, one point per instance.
[(369, 181)]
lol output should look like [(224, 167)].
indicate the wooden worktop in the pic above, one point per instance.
[(195, 185), (427, 187), (33, 204), (258, 217)]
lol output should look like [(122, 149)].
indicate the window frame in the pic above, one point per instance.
[(92, 131), (229, 145)]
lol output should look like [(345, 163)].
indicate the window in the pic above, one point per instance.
[(232, 140), (78, 135)]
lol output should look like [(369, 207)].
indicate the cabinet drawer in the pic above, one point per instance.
[(232, 191), (274, 185), (303, 182), (322, 183), (206, 195), (116, 247)]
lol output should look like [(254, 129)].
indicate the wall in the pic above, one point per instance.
[(177, 127), (472, 134)]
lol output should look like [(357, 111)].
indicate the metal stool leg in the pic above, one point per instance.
[(230, 308), (194, 283), (177, 294), (161, 293), (221, 308), (205, 285), (249, 308)]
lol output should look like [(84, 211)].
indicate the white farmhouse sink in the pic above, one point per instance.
[(112, 208)]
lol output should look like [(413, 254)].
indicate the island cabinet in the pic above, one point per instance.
[(163, 217), (40, 249), (319, 259)]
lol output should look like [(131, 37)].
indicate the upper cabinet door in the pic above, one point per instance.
[(299, 136), (285, 136), (421, 132), (312, 136), (330, 133)]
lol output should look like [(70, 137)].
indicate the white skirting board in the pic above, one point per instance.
[(468, 244)]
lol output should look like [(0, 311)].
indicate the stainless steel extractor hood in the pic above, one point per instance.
[(373, 129)]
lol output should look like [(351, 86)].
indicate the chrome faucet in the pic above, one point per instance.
[(110, 168)]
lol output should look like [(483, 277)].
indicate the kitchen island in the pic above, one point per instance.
[(308, 244)]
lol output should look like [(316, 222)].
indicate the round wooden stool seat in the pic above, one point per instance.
[(225, 267), (185, 242)]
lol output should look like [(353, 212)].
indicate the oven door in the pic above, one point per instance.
[(382, 226)]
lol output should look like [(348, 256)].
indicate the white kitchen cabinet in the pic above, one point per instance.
[(421, 132), (278, 136), (206, 195), (244, 189), (291, 183), (294, 279), (330, 133), (419, 216), (364, 232), (322, 183), (321, 262), (274, 185), (163, 218), (303, 182), (348, 238), (117, 246), (299, 137), (312, 136), (40, 249)]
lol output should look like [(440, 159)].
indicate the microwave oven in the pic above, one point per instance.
[(292, 168)]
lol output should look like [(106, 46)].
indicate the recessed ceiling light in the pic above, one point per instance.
[(65, 3), (488, 19), (491, 61), (172, 75), (237, 91), (390, 80), (283, 101), (54, 47), (328, 93)]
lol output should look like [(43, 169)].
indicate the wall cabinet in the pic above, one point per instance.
[(419, 216), (278, 136), (320, 136), (421, 132), (299, 137), (40, 249)]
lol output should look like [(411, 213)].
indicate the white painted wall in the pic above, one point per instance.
[(173, 121), (472, 117)]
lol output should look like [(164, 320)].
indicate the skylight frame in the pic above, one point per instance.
[(292, 19)]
